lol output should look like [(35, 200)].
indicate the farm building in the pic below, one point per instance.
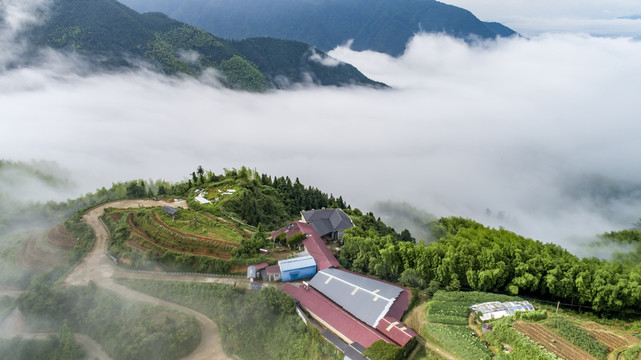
[(257, 271), (297, 268), (272, 273), (314, 245), (329, 224), (358, 309), (496, 310)]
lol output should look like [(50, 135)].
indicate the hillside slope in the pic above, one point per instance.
[(380, 25), (114, 36)]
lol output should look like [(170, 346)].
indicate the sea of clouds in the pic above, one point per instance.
[(500, 131)]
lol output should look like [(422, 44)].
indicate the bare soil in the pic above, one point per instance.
[(611, 340), (551, 342)]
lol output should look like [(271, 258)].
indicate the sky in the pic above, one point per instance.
[(597, 17), (506, 132)]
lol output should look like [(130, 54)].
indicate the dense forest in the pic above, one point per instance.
[(112, 36), (471, 256)]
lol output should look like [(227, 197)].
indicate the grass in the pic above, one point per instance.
[(453, 307), (459, 340), (191, 222)]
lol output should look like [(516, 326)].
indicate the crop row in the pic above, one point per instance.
[(552, 342), (191, 222), (578, 336), (172, 239), (522, 346)]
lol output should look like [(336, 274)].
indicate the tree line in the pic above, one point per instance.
[(469, 255)]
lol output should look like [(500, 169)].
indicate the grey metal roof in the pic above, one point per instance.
[(367, 299), (352, 351), (296, 263), (326, 221), (170, 210)]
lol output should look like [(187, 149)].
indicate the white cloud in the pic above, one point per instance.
[(508, 126), (15, 16), (323, 60), (598, 17)]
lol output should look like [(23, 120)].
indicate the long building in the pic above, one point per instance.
[(358, 309)]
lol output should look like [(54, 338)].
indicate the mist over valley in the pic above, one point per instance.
[(158, 168)]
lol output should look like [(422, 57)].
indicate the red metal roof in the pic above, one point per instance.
[(395, 330), (314, 245), (260, 266), (334, 316), (274, 269)]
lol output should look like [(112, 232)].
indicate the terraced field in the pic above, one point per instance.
[(611, 340), (551, 342), (43, 250)]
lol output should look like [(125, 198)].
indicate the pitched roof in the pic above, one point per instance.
[(296, 263), (170, 210), (326, 221), (260, 266), (291, 229), (274, 269), (314, 245), (367, 299), (335, 317), (392, 328)]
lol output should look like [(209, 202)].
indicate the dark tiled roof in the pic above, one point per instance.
[(326, 221)]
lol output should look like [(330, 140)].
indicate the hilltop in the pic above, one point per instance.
[(218, 224), (111, 36), (379, 25)]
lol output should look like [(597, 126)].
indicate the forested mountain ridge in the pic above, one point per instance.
[(380, 25), (113, 36)]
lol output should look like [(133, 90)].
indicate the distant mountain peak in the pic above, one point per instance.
[(110, 36), (379, 25)]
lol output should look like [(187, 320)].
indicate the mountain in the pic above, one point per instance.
[(114, 36), (380, 25)]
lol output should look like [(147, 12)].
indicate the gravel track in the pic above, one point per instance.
[(97, 267)]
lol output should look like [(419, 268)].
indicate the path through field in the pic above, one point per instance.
[(98, 267), (414, 320)]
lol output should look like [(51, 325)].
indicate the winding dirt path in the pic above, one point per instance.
[(415, 319), (97, 267)]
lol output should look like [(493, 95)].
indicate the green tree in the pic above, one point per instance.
[(381, 350)]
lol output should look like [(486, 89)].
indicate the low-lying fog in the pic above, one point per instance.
[(538, 135)]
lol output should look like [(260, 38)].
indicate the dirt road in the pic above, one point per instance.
[(97, 267)]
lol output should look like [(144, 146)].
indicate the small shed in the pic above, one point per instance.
[(255, 271), (273, 273), (171, 211), (297, 268)]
